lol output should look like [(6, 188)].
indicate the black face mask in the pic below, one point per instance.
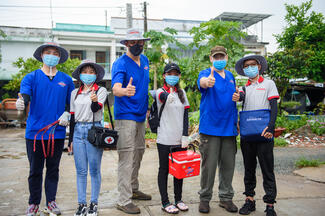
[(136, 49)]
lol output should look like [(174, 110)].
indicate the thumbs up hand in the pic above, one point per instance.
[(93, 95), (236, 95), (171, 97), (130, 89), (211, 80), (20, 104)]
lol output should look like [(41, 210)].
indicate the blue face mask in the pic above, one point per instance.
[(251, 71), (88, 78), (51, 60), (171, 80), (219, 64)]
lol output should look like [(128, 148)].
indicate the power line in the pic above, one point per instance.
[(28, 6)]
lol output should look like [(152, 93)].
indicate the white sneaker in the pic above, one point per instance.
[(81, 210), (32, 210), (92, 211), (52, 209)]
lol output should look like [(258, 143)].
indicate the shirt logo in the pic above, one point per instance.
[(261, 89), (146, 68), (62, 84), (232, 81)]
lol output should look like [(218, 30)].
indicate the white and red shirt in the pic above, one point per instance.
[(258, 94)]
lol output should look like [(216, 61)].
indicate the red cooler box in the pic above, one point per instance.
[(184, 164)]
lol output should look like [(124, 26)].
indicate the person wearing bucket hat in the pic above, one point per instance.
[(87, 103), (47, 91), (130, 82), (258, 94), (172, 133), (218, 130)]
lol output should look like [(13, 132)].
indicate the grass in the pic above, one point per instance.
[(150, 135), (303, 162), (279, 142)]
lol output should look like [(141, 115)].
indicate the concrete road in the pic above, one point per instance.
[(296, 195)]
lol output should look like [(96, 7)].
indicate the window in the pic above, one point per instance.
[(100, 57), (76, 54)]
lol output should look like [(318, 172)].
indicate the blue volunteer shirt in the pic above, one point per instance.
[(135, 107), (48, 99), (218, 113)]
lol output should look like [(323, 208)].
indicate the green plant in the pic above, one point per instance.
[(149, 135), (303, 162), (5, 96), (317, 127), (106, 114), (320, 108), (290, 125), (194, 118), (290, 104), (279, 142)]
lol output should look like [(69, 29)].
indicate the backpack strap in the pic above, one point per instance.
[(162, 107), (244, 89)]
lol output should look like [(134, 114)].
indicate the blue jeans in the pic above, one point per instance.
[(84, 153)]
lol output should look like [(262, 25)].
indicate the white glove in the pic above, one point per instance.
[(185, 141), (171, 97), (20, 104), (64, 119)]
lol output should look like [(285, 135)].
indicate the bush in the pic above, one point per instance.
[(317, 127), (279, 142), (303, 162), (290, 125)]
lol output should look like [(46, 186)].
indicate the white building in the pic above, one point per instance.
[(101, 43)]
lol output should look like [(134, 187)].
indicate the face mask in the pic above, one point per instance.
[(251, 71), (88, 78), (51, 60), (219, 64), (171, 80), (136, 49)]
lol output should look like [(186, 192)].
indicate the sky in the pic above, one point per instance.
[(36, 13)]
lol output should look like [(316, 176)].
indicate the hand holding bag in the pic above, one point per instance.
[(102, 137)]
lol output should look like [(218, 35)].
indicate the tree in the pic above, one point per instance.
[(305, 32), (31, 64), (206, 36), (159, 52)]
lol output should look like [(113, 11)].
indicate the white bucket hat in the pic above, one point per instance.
[(133, 34)]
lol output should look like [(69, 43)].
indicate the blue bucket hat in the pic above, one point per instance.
[(63, 52), (100, 71)]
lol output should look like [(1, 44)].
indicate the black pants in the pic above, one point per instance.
[(264, 153), (36, 162), (163, 152)]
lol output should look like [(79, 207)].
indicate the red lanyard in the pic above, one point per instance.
[(51, 138)]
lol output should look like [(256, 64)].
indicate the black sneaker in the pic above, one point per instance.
[(92, 211), (81, 210), (248, 207), (270, 211)]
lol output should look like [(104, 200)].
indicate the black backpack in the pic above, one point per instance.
[(154, 116)]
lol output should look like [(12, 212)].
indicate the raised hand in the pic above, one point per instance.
[(236, 95), (171, 97), (211, 80), (20, 104), (130, 89), (93, 95)]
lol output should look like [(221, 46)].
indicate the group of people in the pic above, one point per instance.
[(55, 104)]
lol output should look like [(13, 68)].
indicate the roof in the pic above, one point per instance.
[(82, 28), (247, 19)]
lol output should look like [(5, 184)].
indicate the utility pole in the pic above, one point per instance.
[(52, 37), (145, 19), (105, 19), (128, 15)]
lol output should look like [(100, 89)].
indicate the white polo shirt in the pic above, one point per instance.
[(170, 130), (258, 94), (80, 106)]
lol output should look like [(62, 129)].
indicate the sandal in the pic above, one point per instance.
[(181, 206), (170, 209)]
